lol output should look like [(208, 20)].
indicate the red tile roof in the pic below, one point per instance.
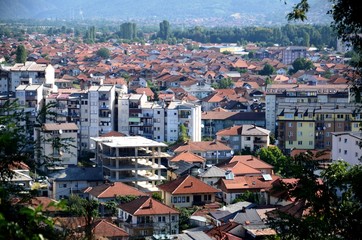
[(147, 206), (251, 161), (203, 146), (103, 228), (187, 185), (188, 157), (247, 183), (110, 190)]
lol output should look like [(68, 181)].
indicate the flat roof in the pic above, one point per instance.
[(128, 141)]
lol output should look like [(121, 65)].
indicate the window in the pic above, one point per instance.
[(174, 200), (300, 133), (187, 199), (290, 134), (290, 124), (183, 199), (300, 142), (339, 139), (339, 125), (290, 142), (339, 150), (328, 134), (345, 140), (248, 138), (345, 152), (158, 112), (356, 154), (310, 125), (328, 143), (300, 124), (357, 143), (310, 143)]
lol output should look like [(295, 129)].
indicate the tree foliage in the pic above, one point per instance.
[(275, 157), (302, 64), (267, 70), (165, 31), (332, 203), (183, 137), (21, 54), (223, 83), (103, 53)]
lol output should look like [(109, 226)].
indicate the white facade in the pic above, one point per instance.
[(346, 146)]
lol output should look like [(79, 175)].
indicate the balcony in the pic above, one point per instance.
[(105, 107), (104, 98)]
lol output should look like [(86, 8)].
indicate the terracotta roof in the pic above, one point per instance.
[(243, 130), (59, 126), (316, 155), (216, 115), (251, 161), (188, 157), (203, 146), (240, 169), (187, 185), (247, 183), (110, 190), (103, 228), (113, 134), (146, 206), (146, 91)]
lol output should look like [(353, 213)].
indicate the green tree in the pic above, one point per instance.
[(183, 137), (88, 209), (103, 53), (21, 54), (165, 31), (332, 202), (275, 157), (267, 70), (223, 83), (302, 64)]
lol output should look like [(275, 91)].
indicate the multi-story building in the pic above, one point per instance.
[(244, 137), (58, 142), (30, 98), (156, 121), (214, 121), (305, 116), (101, 100), (24, 74), (291, 53), (187, 114), (346, 147), (134, 160)]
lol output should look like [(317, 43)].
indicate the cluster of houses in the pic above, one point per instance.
[(126, 108)]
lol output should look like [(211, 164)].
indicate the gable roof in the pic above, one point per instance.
[(103, 228), (213, 171), (251, 161), (203, 146), (187, 185), (188, 157), (110, 190), (247, 183), (244, 130), (146, 206), (240, 169)]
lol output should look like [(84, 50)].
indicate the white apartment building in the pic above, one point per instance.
[(101, 100), (24, 74), (183, 113), (30, 98), (134, 160), (58, 142), (346, 146)]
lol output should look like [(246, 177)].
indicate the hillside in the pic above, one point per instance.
[(247, 11)]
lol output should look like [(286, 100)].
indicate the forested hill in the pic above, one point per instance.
[(245, 12)]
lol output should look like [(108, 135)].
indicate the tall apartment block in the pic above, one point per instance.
[(304, 116), (289, 54), (157, 121)]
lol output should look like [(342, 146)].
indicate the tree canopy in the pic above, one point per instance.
[(103, 53), (21, 54)]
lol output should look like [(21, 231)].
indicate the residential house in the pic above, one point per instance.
[(213, 151), (145, 216), (248, 161), (190, 157), (73, 180), (109, 191), (181, 168), (290, 54), (232, 188), (187, 191), (244, 137), (212, 175)]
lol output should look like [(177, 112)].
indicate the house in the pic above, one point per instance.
[(182, 168), (232, 188), (109, 191), (101, 228), (213, 151), (73, 180), (241, 163), (280, 194), (145, 216), (187, 191), (212, 175), (224, 214), (189, 157), (244, 137)]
